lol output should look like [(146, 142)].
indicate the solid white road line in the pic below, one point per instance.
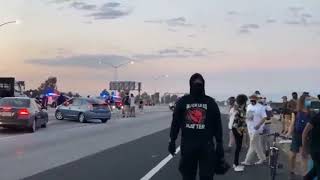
[(156, 169)]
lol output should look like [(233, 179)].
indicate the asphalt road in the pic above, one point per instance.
[(122, 149), (23, 154)]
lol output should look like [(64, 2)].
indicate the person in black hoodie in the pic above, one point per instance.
[(198, 117), (61, 99)]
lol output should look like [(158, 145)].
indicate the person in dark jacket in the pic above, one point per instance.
[(61, 99), (44, 101), (310, 140), (198, 117)]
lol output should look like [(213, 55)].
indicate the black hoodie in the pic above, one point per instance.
[(198, 117)]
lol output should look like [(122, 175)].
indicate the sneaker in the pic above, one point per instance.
[(234, 166), (260, 162), (239, 168), (245, 163)]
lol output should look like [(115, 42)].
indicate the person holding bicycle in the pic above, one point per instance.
[(238, 128)]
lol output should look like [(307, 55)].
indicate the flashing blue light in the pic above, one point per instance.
[(51, 94)]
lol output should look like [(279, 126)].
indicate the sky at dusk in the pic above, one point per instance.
[(238, 45)]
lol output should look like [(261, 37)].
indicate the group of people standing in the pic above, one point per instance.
[(129, 106), (251, 122), (198, 118), (299, 121)]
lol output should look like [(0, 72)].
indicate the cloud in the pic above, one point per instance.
[(293, 22), (83, 6), (111, 10), (89, 61), (299, 17), (296, 9), (154, 21), (100, 61), (247, 28), (244, 31), (180, 21), (306, 15), (110, 14), (232, 13), (250, 26), (270, 21), (178, 52), (110, 5), (173, 22), (60, 1)]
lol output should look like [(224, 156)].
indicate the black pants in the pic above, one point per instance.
[(238, 138), (194, 155), (315, 171)]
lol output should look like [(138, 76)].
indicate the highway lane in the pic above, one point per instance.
[(133, 160), (23, 154), (121, 149), (71, 123)]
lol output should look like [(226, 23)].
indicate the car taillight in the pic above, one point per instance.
[(6, 109), (23, 112)]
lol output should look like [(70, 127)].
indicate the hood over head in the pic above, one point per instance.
[(197, 84)]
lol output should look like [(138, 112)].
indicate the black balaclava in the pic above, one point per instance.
[(197, 89)]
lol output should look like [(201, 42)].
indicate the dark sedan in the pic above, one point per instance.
[(22, 112), (84, 109)]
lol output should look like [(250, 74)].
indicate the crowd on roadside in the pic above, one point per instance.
[(250, 123), (129, 105)]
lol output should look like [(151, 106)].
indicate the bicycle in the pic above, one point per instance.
[(274, 155)]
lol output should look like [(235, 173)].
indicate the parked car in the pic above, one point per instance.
[(83, 109), (22, 112)]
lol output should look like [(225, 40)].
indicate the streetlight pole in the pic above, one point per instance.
[(116, 67), (10, 22)]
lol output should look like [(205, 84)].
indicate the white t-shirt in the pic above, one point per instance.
[(255, 113), (132, 104), (232, 114), (268, 107)]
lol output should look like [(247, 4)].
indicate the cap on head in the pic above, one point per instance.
[(253, 97), (257, 92)]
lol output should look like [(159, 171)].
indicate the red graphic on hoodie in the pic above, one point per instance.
[(196, 115)]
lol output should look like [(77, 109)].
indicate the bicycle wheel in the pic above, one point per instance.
[(273, 164), (272, 168)]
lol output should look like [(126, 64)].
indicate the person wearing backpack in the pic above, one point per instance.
[(299, 122)]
